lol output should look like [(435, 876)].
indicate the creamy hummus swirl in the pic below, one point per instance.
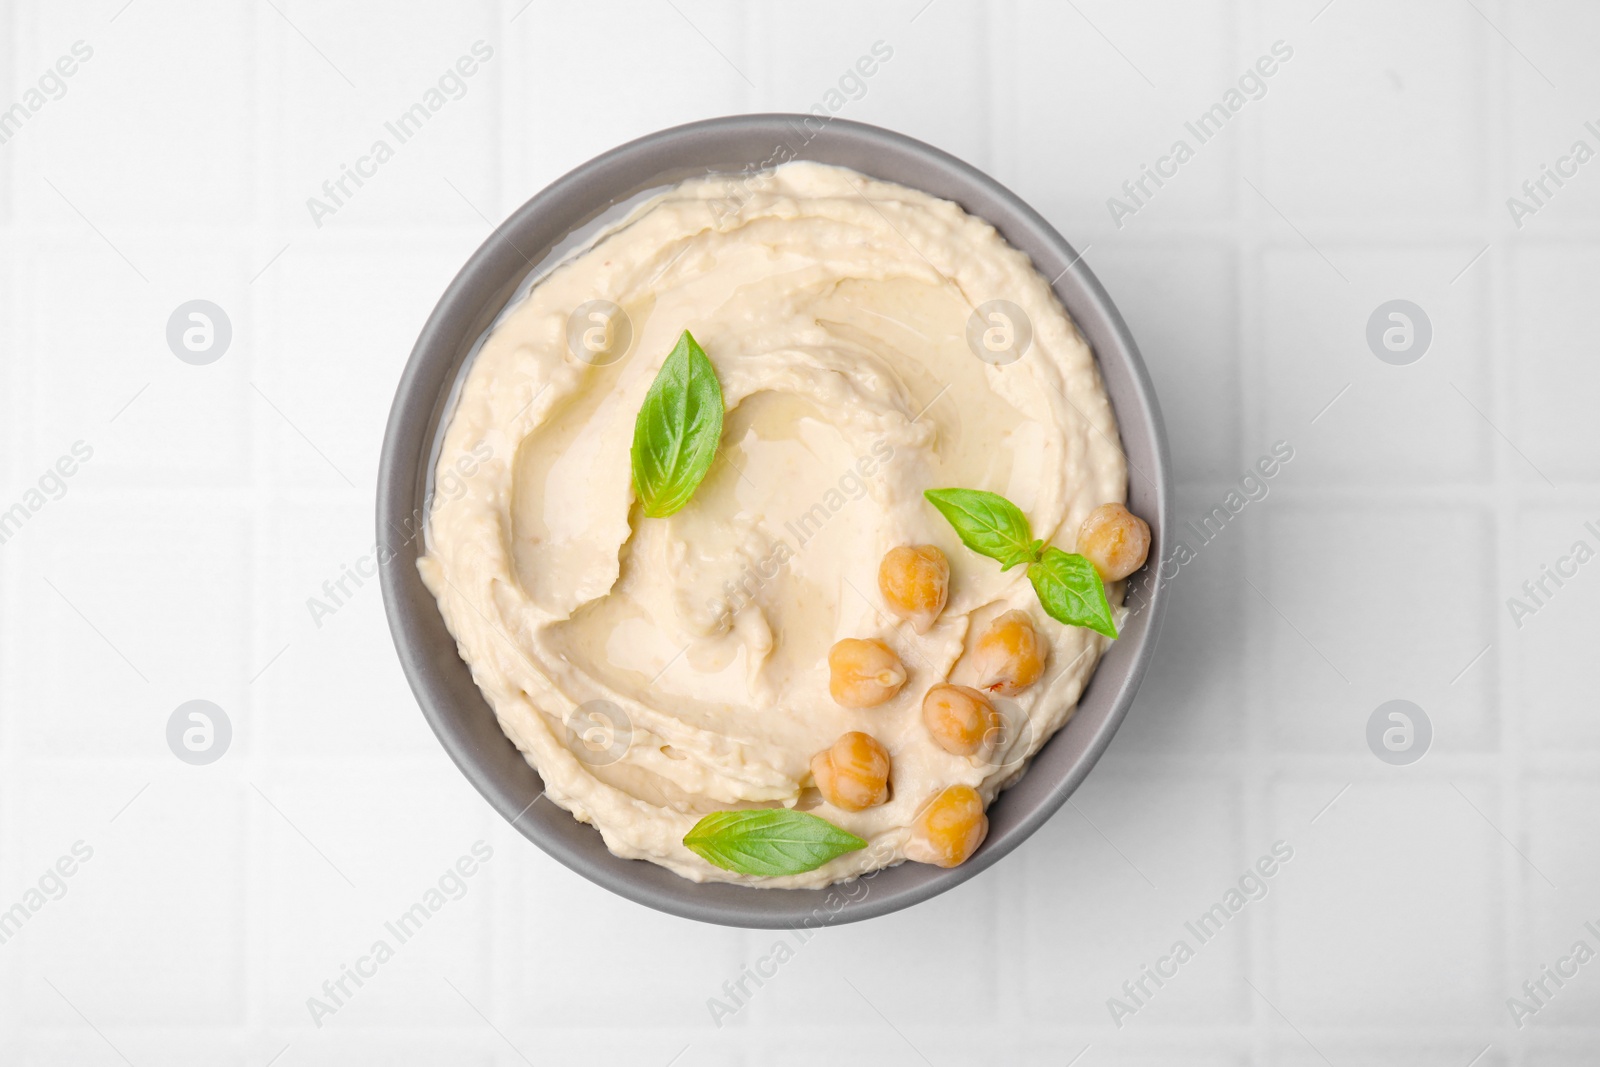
[(655, 670)]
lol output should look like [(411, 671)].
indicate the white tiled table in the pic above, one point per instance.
[(178, 562)]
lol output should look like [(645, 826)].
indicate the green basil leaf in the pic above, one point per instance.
[(769, 841), (676, 433), (1071, 591), (988, 524)]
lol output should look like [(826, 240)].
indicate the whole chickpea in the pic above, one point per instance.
[(852, 774), (1009, 654), (960, 719), (949, 828), (915, 582), (1115, 540), (864, 672)]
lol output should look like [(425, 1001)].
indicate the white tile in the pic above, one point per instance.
[(1353, 418), (1549, 83), (1142, 855), (1338, 644), (1193, 698), (327, 1048), (1552, 627), (150, 930), (1102, 91), (108, 376), (14, 435), (1181, 302), (881, 1044), (1378, 113), (1397, 884), (885, 64), (1544, 189), (41, 832), (328, 840), (616, 1046), (1556, 1051), (8, 65), (1197, 1051), (183, 1050), (145, 105), (1549, 33), (909, 966), (347, 82), (689, 63), (1289, 1050), (329, 681), (1561, 814), (568, 935), (113, 648), (327, 379), (1551, 373)]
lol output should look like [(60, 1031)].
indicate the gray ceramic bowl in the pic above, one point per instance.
[(545, 228)]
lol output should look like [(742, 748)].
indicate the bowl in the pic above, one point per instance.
[(546, 229)]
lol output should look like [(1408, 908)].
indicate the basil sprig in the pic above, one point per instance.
[(1068, 586), (676, 433), (989, 524), (1070, 590), (769, 841)]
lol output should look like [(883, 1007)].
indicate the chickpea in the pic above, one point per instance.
[(915, 582), (864, 672), (949, 828), (853, 774), (1115, 540), (960, 719), (1010, 654)]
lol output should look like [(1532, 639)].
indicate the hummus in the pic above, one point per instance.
[(655, 670)]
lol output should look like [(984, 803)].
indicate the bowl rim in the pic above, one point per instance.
[(450, 339)]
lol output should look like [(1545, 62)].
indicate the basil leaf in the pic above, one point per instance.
[(988, 523), (677, 430), (769, 841), (1070, 590)]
